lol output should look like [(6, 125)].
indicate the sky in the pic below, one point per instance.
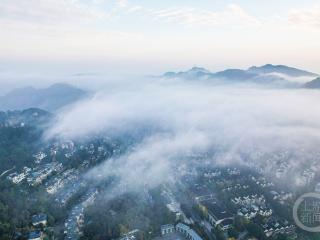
[(132, 38)]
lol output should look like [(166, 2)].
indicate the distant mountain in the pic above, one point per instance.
[(229, 75), (50, 99), (267, 74), (235, 74), (282, 69), (313, 84), (195, 72)]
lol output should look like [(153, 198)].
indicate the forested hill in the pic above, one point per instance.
[(20, 136)]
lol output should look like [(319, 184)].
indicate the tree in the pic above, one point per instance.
[(233, 233), (239, 223), (256, 231), (218, 233)]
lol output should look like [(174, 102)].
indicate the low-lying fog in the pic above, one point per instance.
[(240, 124)]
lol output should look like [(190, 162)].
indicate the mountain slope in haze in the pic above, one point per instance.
[(51, 99), (234, 74), (314, 84), (281, 69), (267, 74), (195, 72)]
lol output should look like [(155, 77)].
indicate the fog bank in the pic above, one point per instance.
[(234, 124)]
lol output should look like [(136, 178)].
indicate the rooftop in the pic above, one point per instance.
[(39, 218), (167, 226), (218, 211), (34, 235)]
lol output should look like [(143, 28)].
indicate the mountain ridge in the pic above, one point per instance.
[(314, 84), (283, 69), (265, 74), (51, 98)]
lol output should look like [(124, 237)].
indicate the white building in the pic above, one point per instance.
[(167, 229), (187, 232)]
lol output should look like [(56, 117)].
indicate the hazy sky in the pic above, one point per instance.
[(149, 37)]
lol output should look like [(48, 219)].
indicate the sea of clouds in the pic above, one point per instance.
[(241, 124)]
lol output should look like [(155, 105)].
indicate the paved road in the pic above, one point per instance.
[(7, 171)]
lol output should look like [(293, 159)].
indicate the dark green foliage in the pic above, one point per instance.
[(17, 206), (256, 231), (17, 145), (233, 233), (218, 233), (111, 219), (239, 223)]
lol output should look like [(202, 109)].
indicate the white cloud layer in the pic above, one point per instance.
[(235, 125), (309, 17), (232, 15), (56, 12)]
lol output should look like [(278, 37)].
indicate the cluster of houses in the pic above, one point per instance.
[(254, 211), (180, 228), (11, 122), (130, 235), (58, 182), (252, 206), (212, 174), (36, 175), (274, 227), (249, 200), (39, 174), (303, 178), (236, 187), (233, 171), (39, 157), (248, 206), (262, 182), (69, 190), (17, 178), (217, 173), (306, 177), (282, 170), (281, 196)]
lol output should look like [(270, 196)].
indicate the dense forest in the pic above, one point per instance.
[(145, 211)]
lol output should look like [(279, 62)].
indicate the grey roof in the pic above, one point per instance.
[(167, 226), (34, 235), (217, 211), (39, 218)]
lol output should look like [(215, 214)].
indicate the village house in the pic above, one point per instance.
[(39, 219), (167, 229), (274, 227)]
